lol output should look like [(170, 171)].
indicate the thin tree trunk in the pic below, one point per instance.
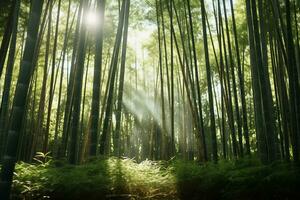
[(7, 36), (209, 84), (94, 129), (111, 81), (73, 154), (121, 84), (241, 82)]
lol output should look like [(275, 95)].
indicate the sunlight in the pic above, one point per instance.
[(92, 19), (137, 39)]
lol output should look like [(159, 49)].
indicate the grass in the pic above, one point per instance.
[(113, 178)]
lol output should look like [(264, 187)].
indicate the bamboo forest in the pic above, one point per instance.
[(149, 99)]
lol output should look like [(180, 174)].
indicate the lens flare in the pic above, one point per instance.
[(92, 19)]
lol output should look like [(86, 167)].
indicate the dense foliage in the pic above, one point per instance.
[(114, 178)]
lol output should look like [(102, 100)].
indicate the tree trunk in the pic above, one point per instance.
[(20, 100)]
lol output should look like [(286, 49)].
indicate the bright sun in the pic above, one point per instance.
[(92, 19)]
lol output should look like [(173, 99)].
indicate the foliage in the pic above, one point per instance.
[(96, 179), (114, 178), (242, 179), (43, 158)]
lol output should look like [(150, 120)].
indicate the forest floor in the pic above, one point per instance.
[(114, 178)]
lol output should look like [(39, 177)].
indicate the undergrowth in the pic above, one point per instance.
[(103, 178), (112, 178)]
